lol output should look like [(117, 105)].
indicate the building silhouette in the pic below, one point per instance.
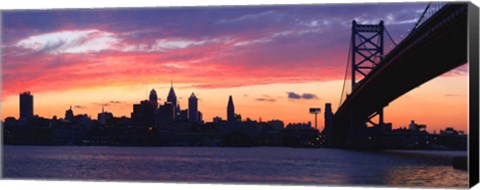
[(143, 114), (230, 110), (182, 115), (193, 108), (104, 116), (417, 127), (69, 115), (276, 124), (172, 98), (26, 105), (153, 98), (217, 119), (200, 117), (166, 112), (327, 130)]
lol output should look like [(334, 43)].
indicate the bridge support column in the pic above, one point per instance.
[(367, 52), (379, 113)]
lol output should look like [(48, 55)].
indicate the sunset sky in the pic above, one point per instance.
[(276, 61)]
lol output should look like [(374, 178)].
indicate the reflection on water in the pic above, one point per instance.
[(237, 165), (427, 176)]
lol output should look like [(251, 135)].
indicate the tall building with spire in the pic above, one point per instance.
[(69, 115), (193, 108), (172, 98), (230, 110), (26, 105), (104, 116), (153, 99)]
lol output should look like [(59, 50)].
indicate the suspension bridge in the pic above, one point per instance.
[(435, 45)]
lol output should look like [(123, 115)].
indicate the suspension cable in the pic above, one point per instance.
[(346, 71), (421, 18), (390, 37), (379, 57)]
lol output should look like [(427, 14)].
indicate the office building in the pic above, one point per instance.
[(26, 105), (193, 108)]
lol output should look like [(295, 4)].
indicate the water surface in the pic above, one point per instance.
[(272, 165)]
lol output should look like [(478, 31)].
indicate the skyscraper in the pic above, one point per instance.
[(69, 115), (172, 98), (230, 110), (26, 105), (193, 108), (327, 130), (153, 99)]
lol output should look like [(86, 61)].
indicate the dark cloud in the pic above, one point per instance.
[(293, 95), (309, 96), (79, 107), (306, 96)]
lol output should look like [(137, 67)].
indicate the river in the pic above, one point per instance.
[(260, 165)]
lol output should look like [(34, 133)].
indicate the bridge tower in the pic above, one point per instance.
[(367, 46), (367, 52)]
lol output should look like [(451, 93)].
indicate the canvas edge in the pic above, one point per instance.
[(473, 51)]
